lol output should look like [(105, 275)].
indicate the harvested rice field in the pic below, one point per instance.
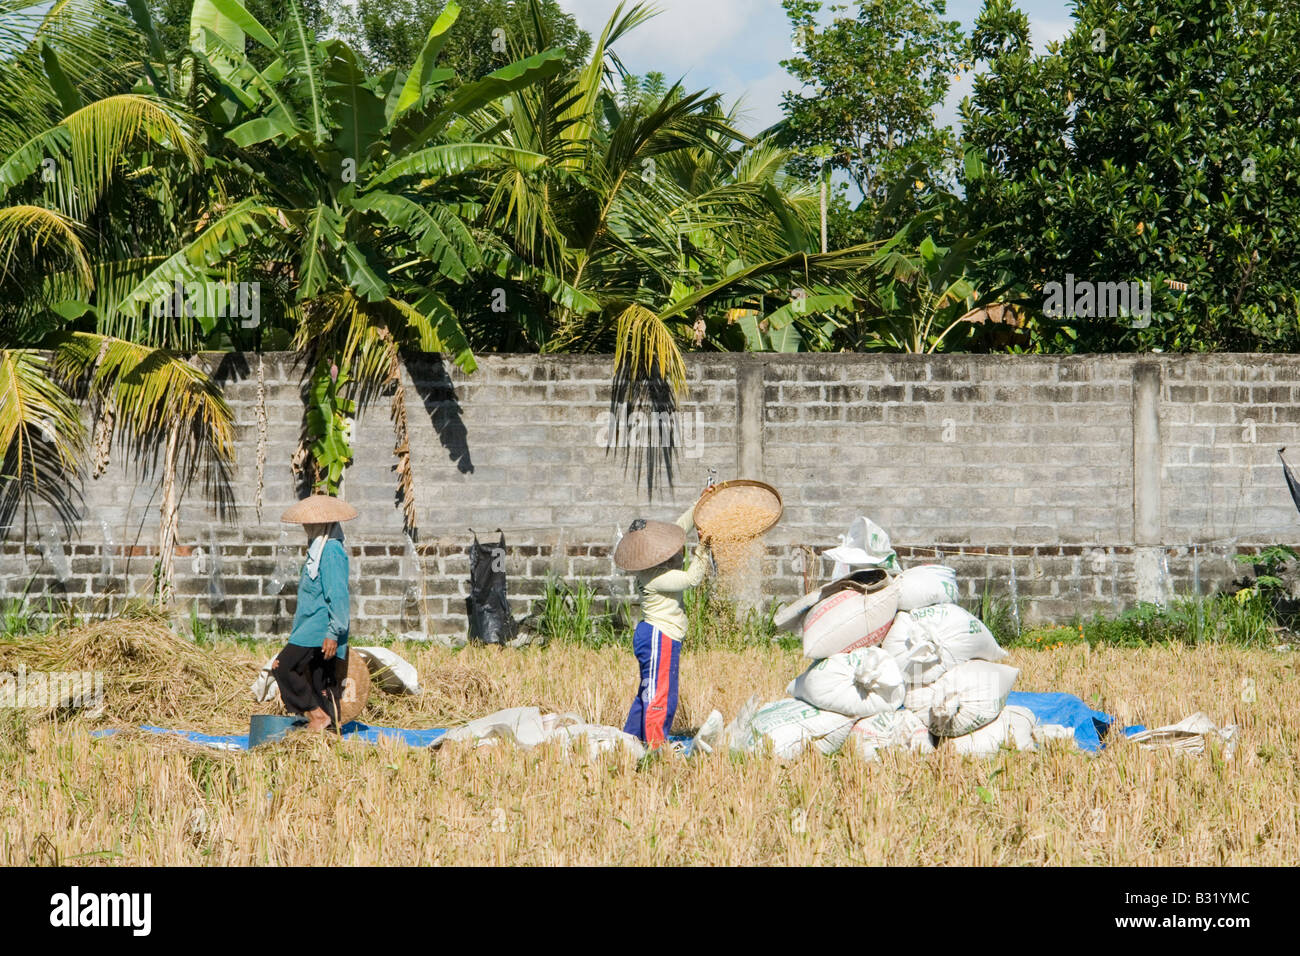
[(139, 799)]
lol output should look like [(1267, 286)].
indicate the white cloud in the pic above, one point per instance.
[(1043, 32), (683, 36), (760, 99), (734, 47)]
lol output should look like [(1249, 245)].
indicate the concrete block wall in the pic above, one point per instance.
[(1077, 483)]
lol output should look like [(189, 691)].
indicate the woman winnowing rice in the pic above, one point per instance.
[(310, 671), (652, 550)]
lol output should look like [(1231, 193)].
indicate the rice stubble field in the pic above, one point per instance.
[(137, 798)]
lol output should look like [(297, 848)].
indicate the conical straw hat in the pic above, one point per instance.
[(648, 543), (319, 509)]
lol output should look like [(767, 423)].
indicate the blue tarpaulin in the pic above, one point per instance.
[(1065, 710), (351, 731), (1089, 725)]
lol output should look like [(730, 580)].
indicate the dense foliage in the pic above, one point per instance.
[(1160, 140), (408, 176)]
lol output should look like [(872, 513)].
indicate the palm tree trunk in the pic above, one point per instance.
[(169, 511), (825, 179), (261, 435)]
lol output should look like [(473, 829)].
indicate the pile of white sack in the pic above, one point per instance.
[(897, 663)]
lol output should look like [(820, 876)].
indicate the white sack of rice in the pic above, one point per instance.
[(857, 684), (791, 725), (1013, 729), (964, 699), (925, 585), (930, 641), (901, 728)]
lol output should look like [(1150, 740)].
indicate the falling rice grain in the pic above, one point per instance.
[(734, 531)]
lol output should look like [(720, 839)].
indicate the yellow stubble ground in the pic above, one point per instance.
[(141, 799)]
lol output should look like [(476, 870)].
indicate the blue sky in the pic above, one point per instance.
[(735, 46)]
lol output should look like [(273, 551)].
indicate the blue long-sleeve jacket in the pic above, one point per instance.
[(323, 606)]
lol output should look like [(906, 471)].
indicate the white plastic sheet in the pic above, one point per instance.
[(389, 671), (528, 727)]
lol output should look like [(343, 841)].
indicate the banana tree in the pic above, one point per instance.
[(927, 295), (329, 416), (359, 191)]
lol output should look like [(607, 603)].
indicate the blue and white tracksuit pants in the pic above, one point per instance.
[(655, 704)]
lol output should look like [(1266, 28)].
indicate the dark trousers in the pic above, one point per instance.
[(308, 681)]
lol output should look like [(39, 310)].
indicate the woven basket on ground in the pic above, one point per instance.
[(356, 689)]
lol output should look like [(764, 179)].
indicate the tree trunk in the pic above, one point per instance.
[(261, 435), (823, 207), (169, 511)]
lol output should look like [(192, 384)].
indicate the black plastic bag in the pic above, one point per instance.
[(1291, 481), (488, 610)]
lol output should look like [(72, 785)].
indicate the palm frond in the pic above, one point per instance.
[(35, 412), (89, 147), (649, 375), (590, 81), (151, 389), (31, 234)]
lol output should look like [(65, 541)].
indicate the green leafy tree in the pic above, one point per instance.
[(1158, 142), (652, 227), (642, 92), (173, 19), (390, 32), (871, 80), (360, 189)]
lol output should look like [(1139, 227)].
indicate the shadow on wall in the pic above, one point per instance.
[(62, 492), (436, 390), (20, 501)]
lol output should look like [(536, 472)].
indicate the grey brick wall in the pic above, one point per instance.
[(1019, 471)]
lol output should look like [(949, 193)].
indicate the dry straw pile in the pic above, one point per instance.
[(149, 673)]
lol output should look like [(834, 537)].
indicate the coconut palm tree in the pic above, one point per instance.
[(88, 174), (650, 227)]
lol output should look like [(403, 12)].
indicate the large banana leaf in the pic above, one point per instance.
[(322, 234), (233, 230), (418, 81), (435, 232), (476, 94)]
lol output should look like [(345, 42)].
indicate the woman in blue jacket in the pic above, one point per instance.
[(310, 671)]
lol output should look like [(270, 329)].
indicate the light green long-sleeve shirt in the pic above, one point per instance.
[(661, 592)]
